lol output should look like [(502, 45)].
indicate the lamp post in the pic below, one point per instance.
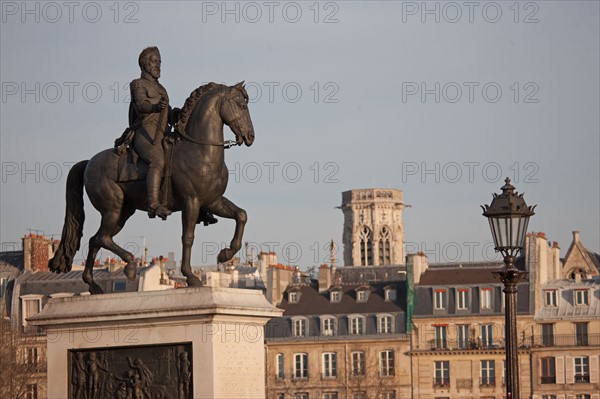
[(508, 215)]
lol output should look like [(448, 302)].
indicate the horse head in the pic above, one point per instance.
[(235, 114)]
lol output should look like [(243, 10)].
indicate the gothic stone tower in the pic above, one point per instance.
[(373, 229)]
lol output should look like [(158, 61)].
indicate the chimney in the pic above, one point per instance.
[(576, 236), (37, 251), (324, 278)]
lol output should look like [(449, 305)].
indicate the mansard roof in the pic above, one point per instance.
[(314, 303), (566, 308), (461, 274)]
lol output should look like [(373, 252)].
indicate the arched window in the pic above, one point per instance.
[(385, 257), (366, 247)]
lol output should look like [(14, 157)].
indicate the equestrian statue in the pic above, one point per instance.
[(159, 171)]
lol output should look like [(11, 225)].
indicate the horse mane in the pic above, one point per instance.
[(191, 102)]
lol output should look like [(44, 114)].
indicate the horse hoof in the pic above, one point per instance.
[(193, 281), (225, 255), (95, 289), (130, 271)]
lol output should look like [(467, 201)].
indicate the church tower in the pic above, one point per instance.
[(373, 228)]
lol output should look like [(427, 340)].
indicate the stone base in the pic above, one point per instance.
[(102, 337)]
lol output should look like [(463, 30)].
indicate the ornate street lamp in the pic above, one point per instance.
[(509, 215)]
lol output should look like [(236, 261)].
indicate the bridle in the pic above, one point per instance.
[(234, 124)]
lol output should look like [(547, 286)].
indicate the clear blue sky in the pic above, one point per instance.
[(442, 101)]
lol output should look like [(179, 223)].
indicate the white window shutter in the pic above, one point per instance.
[(595, 396), (569, 372), (594, 369), (570, 396), (560, 370), (560, 397), (536, 397)]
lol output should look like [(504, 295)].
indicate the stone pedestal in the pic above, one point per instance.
[(98, 341)]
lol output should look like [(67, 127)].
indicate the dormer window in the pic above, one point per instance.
[(390, 295), (582, 297), (335, 296), (439, 299), (293, 297), (362, 296), (550, 298)]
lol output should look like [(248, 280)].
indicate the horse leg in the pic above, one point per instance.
[(130, 268), (189, 216), (227, 209), (88, 276)]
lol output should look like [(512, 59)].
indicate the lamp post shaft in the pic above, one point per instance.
[(510, 276)]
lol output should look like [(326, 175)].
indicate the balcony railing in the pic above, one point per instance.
[(442, 382), (562, 340), (462, 345), (582, 378), (487, 382), (551, 379)]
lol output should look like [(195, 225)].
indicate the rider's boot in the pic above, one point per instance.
[(206, 217), (155, 208)]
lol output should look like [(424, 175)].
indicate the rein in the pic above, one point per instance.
[(225, 144)]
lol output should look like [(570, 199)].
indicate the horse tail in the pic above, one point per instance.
[(74, 217)]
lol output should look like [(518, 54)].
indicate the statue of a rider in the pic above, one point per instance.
[(151, 118)]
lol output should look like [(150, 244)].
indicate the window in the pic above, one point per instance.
[(329, 365), (293, 297), (582, 297), (32, 358), (301, 365), (299, 327), (357, 325), (280, 369), (384, 325), (32, 305), (384, 247), (301, 395), (366, 247), (550, 297), (335, 296), (388, 395), (358, 364), (362, 296), (359, 395), (548, 334), (581, 334), (280, 396), (487, 337), (3, 284), (488, 373), (462, 299), (328, 326), (582, 369), (330, 395), (548, 396), (32, 391), (583, 396), (386, 363), (548, 370), (439, 299), (441, 336), (390, 295), (462, 336), (486, 298), (442, 373), (119, 286)]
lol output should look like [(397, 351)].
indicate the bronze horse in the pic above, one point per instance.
[(199, 181)]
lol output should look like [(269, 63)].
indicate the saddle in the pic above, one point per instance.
[(132, 168)]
